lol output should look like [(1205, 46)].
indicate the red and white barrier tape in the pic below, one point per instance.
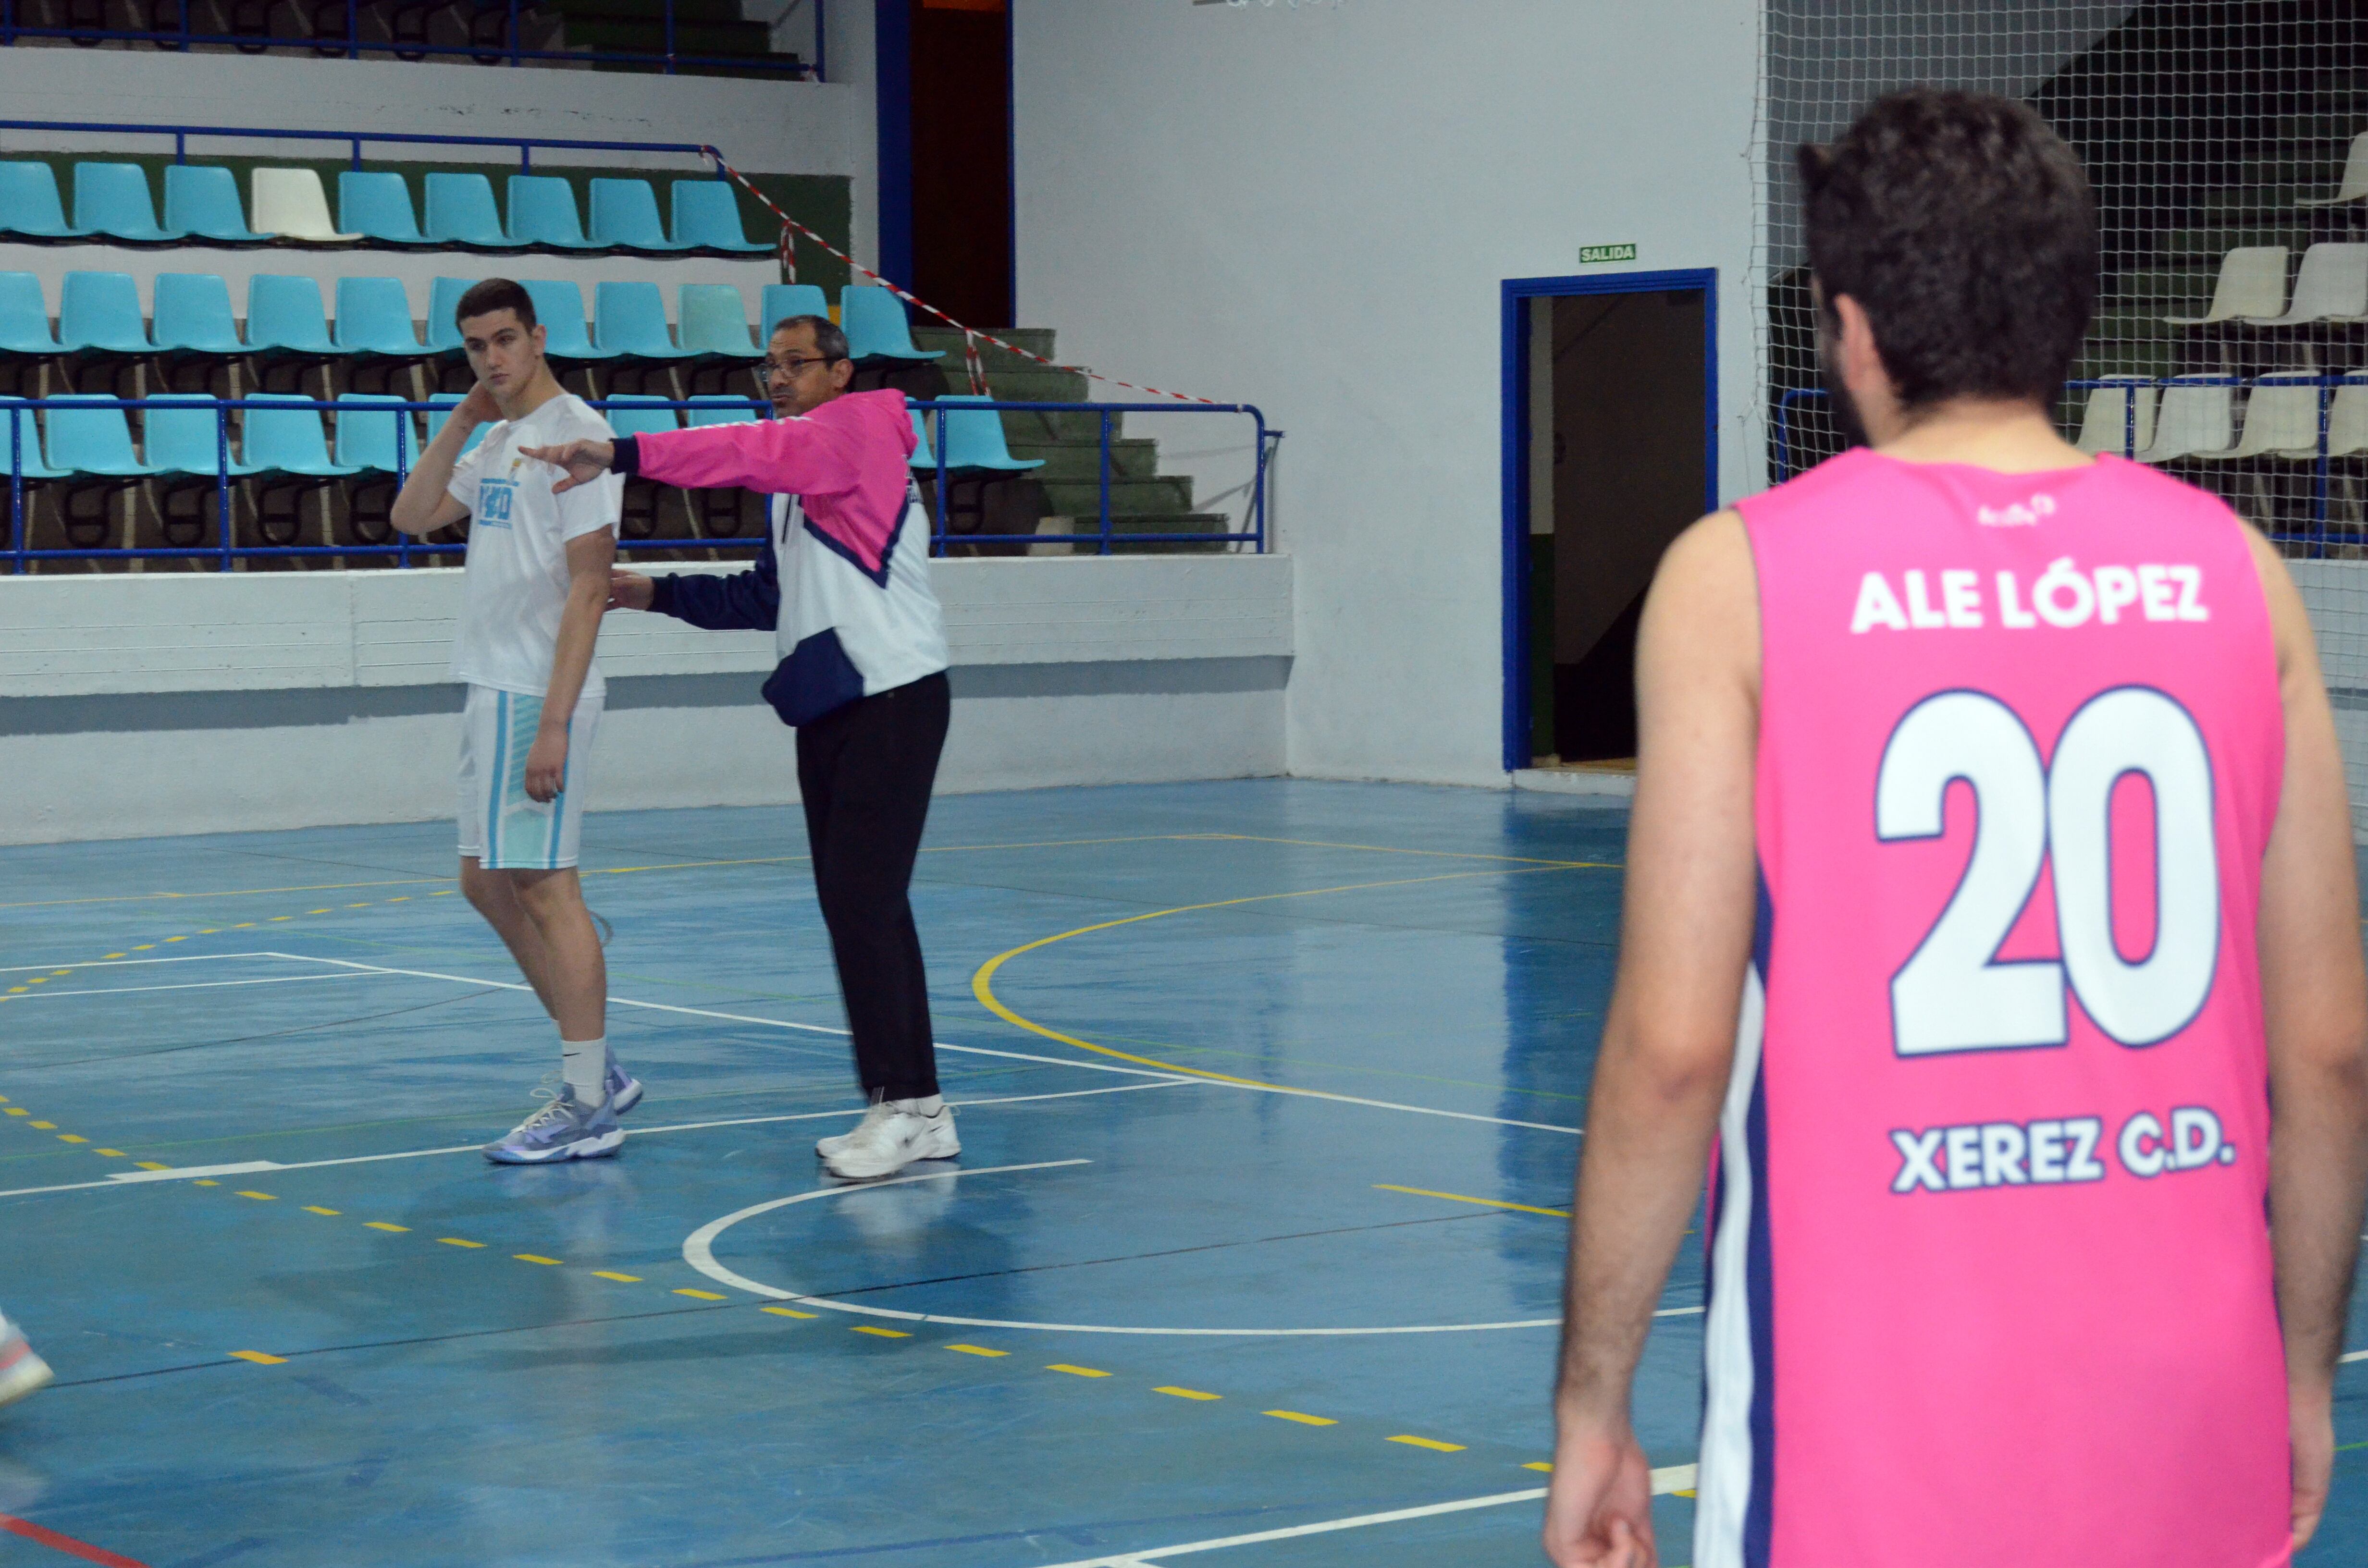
[(971, 337)]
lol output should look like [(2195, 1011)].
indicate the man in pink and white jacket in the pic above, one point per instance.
[(843, 582)]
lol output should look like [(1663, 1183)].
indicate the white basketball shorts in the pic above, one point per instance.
[(501, 827)]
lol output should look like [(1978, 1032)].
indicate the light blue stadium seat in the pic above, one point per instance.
[(713, 321), (924, 455), (630, 323), (24, 316), (375, 318), (28, 452), (114, 199), (193, 314), (873, 319), (707, 217), (974, 439), (626, 418), (186, 440), (543, 212), (202, 201), (625, 214), (29, 203), (96, 441), (461, 211), (99, 313), (377, 203), (720, 410), (445, 404), (781, 300), (443, 299), (367, 436), (559, 309), (284, 315), (288, 440)]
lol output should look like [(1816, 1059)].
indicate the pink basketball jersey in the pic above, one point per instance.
[(1990, 1270)]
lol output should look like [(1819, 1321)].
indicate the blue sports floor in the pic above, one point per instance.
[(1153, 1319)]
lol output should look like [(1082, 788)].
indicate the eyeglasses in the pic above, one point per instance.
[(793, 365)]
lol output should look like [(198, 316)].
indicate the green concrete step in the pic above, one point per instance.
[(1157, 495), (1035, 339), (1082, 459), (2162, 289), (2100, 359)]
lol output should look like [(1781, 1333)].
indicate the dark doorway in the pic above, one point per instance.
[(1614, 386), (961, 158)]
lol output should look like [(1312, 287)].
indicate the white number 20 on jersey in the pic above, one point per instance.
[(1954, 995)]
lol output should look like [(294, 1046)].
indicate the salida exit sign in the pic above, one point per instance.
[(1589, 254)]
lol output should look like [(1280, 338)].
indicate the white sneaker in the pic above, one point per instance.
[(828, 1148), (885, 1144), (21, 1372)]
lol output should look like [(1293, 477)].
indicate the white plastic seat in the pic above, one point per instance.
[(2280, 416), (291, 204), (2331, 286), (2354, 184), (2252, 283), (2347, 425), (2106, 422), (2193, 421)]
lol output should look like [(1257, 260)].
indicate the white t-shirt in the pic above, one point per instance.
[(517, 585)]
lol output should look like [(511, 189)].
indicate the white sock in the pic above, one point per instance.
[(584, 1063)]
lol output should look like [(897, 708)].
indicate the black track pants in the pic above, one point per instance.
[(865, 771)]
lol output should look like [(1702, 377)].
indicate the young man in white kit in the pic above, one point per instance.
[(538, 581)]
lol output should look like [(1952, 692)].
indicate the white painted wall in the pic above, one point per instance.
[(205, 702), (1311, 208)]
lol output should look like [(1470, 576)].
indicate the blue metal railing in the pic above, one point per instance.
[(511, 51), (2314, 537), (355, 138), (404, 550)]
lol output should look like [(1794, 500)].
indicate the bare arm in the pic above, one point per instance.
[(2315, 1004), (589, 559), (1668, 1037), (422, 506)]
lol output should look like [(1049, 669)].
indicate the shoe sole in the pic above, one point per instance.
[(29, 1375), (598, 1148), (929, 1153)]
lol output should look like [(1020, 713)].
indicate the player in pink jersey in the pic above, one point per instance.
[(1991, 908)]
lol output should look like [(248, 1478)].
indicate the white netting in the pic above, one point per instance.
[(2231, 338)]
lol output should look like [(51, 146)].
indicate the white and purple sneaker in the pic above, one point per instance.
[(562, 1130), (21, 1372), (624, 1089)]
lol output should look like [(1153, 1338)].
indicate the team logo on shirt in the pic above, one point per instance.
[(495, 499)]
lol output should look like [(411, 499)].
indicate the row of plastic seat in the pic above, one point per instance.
[(187, 439), (2196, 418), (99, 313), (2332, 286), (111, 202)]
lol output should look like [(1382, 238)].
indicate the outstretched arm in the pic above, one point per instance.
[(778, 457), (1668, 1035)]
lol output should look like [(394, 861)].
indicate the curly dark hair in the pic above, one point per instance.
[(1965, 228)]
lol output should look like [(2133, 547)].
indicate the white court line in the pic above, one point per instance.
[(189, 1173), (973, 1049), (1674, 1478), (188, 985)]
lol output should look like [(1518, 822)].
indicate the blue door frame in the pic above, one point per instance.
[(1518, 293)]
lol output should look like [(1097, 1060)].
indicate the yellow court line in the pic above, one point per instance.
[(1394, 849), (259, 1358), (1484, 1202), (1303, 1418), (981, 984)]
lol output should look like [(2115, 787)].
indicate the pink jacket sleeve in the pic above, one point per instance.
[(778, 457)]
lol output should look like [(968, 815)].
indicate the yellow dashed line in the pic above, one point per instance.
[(1539, 1464), (308, 912), (44, 1126), (620, 1279), (60, 973), (180, 938), (15, 989), (457, 1241), (883, 1333), (530, 1257), (243, 926), (38, 980), (1304, 1419), (382, 1225), (1186, 1394), (1074, 1372), (1483, 1202), (205, 1181), (700, 1295), (316, 1208), (358, 906), (277, 918), (262, 1197), (115, 955), (259, 1358), (405, 899), (71, 1138), (19, 1110), (151, 1165), (210, 931), (965, 1349), (1431, 1443), (793, 1312), (110, 1154), (142, 946)]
